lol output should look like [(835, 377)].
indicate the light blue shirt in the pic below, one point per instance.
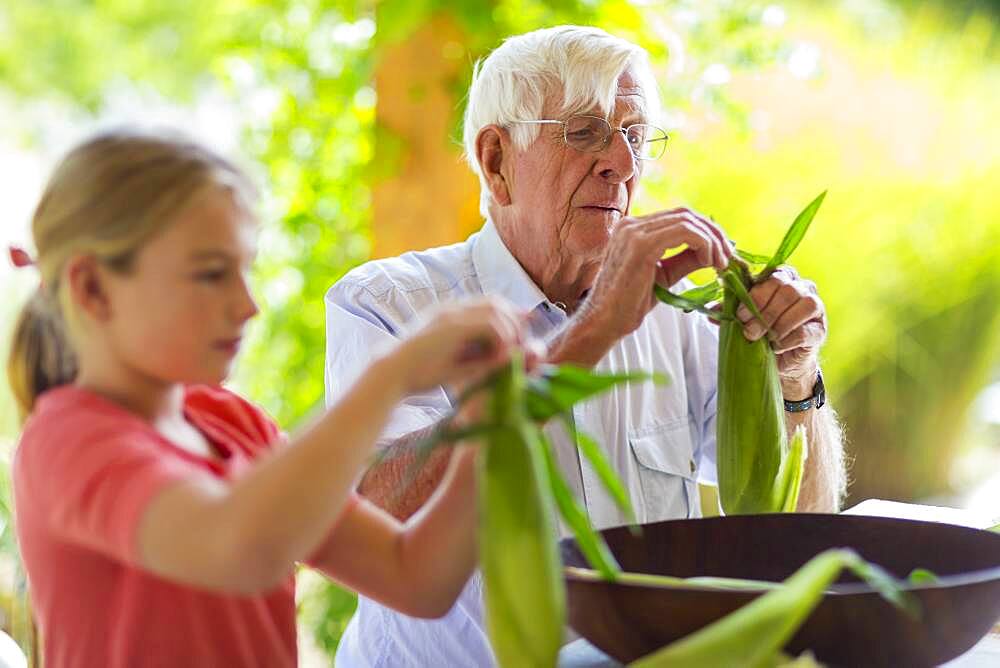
[(660, 439)]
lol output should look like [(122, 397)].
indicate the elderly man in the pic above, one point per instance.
[(558, 127)]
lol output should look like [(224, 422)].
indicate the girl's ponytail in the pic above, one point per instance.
[(41, 356)]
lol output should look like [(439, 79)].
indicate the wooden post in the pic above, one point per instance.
[(431, 197)]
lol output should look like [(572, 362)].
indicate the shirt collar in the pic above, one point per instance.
[(499, 271)]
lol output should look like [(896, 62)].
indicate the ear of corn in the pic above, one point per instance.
[(753, 636), (520, 488), (760, 471), (750, 424), (523, 587)]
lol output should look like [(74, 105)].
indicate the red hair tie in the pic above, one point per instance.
[(19, 257)]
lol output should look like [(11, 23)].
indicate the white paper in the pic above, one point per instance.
[(912, 511)]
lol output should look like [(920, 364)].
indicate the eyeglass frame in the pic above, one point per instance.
[(607, 140)]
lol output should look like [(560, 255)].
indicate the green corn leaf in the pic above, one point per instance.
[(684, 303), (921, 576), (752, 258), (558, 388), (704, 294), (789, 479), (605, 472), (753, 635), (887, 586), (671, 582), (804, 660), (794, 235), (873, 575), (591, 543), (539, 403), (732, 282)]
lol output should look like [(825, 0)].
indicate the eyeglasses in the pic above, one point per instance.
[(591, 134)]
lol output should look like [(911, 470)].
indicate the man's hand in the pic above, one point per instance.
[(623, 292), (458, 342), (796, 327)]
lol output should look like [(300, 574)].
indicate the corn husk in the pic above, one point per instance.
[(520, 489), (753, 636), (760, 470), (524, 592)]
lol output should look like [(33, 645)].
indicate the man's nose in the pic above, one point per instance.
[(617, 162)]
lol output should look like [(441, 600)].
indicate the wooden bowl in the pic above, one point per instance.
[(852, 626)]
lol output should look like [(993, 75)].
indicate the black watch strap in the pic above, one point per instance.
[(817, 399)]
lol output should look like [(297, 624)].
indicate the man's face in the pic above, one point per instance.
[(569, 201)]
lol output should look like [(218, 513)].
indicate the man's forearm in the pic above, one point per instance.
[(582, 341), (396, 485), (824, 480)]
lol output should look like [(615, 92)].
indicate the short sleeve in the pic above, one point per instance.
[(93, 488), (232, 419)]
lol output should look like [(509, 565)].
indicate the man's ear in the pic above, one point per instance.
[(492, 148), (87, 282)]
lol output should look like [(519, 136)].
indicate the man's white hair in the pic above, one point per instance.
[(580, 64)]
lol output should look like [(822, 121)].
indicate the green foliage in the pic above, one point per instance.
[(315, 60)]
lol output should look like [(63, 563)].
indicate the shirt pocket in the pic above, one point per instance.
[(666, 471)]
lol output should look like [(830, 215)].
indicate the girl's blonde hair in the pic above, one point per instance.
[(107, 198)]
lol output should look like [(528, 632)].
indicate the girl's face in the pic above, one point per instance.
[(178, 315)]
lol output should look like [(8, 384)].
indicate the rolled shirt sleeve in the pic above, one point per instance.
[(358, 329)]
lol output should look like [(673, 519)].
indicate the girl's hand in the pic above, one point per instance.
[(459, 343)]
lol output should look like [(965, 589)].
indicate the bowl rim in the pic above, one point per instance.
[(843, 589)]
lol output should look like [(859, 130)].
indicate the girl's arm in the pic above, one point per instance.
[(418, 568), (245, 537)]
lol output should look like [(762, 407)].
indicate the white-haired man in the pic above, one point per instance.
[(558, 125)]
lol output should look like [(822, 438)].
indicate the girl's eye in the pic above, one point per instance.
[(210, 276)]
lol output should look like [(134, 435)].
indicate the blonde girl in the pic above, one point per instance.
[(159, 515)]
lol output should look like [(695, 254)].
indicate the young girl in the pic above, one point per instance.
[(160, 516)]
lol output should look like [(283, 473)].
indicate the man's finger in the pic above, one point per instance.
[(673, 269), (808, 337), (805, 309)]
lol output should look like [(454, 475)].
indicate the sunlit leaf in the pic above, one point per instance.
[(794, 234), (752, 258), (685, 303)]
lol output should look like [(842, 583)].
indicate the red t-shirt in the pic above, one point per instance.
[(84, 473)]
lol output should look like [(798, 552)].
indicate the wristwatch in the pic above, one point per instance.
[(817, 399)]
